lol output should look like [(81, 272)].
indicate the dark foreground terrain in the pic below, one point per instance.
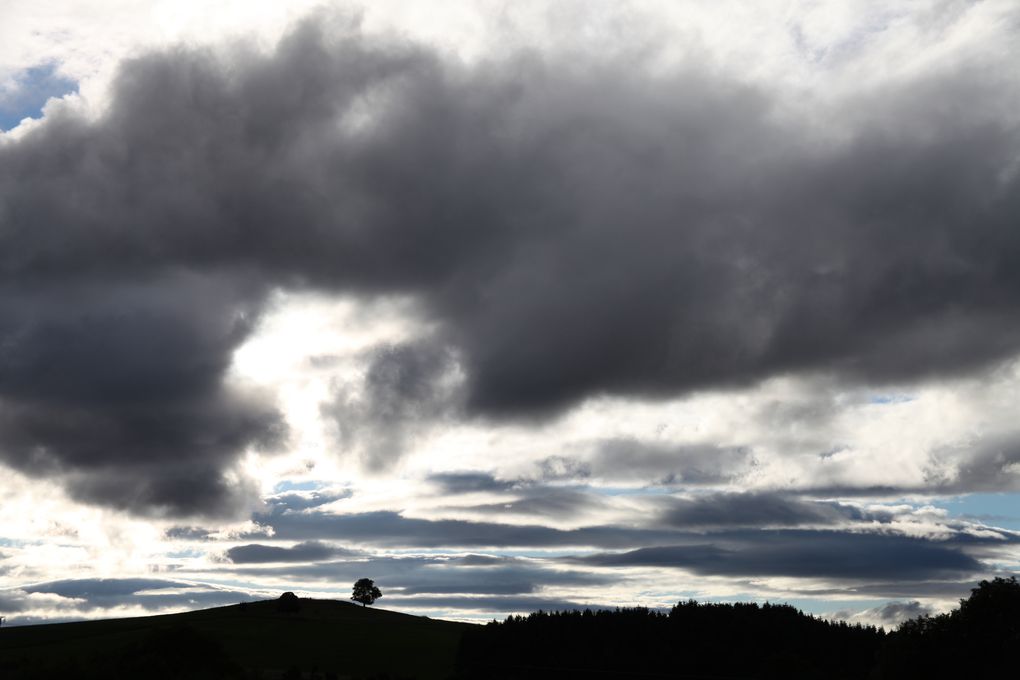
[(320, 639), (979, 640), (268, 639)]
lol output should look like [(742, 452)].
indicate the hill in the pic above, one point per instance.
[(266, 639)]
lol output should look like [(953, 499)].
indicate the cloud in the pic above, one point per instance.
[(308, 551), (762, 510), (989, 464), (118, 393), (469, 482), (545, 502), (390, 529), (186, 533), (805, 554), (888, 615), (405, 388), (631, 459), (84, 595), (895, 612), (570, 229)]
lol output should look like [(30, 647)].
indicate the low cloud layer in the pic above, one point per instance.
[(76, 599), (814, 554)]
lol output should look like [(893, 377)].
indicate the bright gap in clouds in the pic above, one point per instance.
[(305, 345)]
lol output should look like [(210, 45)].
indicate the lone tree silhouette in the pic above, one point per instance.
[(365, 591)]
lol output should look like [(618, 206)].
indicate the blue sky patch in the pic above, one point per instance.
[(34, 87), (288, 485), (891, 398), (994, 509)]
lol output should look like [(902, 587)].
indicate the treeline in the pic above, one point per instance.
[(981, 639), (693, 640)]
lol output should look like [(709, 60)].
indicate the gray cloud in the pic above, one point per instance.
[(117, 392), (934, 588), (895, 612), (761, 509), (806, 553), (469, 482), (405, 387), (543, 501), (187, 533), (636, 460), (308, 551), (989, 465), (888, 615), (390, 529), (84, 595), (573, 230), (833, 553)]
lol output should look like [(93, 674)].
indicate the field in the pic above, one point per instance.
[(324, 638)]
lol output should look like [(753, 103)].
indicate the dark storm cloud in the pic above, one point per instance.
[(308, 551), (805, 554), (572, 229), (117, 392)]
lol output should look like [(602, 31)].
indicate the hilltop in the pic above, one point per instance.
[(322, 639)]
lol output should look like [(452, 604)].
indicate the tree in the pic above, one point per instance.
[(365, 591)]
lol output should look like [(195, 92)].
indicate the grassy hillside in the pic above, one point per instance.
[(258, 639)]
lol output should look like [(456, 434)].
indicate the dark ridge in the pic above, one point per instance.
[(288, 637)]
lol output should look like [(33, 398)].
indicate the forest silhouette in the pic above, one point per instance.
[(744, 640)]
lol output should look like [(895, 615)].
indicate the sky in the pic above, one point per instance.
[(508, 306)]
